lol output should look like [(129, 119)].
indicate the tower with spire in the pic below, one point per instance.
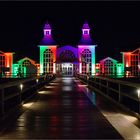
[(47, 51), (85, 29), (47, 29), (80, 59), (85, 38), (47, 39), (86, 50)]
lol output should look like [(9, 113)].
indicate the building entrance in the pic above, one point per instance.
[(67, 69)]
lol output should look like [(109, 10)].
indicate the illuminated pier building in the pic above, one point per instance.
[(110, 67), (131, 62), (26, 67), (6, 62), (67, 60), (70, 60)]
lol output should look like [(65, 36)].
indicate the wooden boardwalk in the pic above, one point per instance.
[(61, 111)]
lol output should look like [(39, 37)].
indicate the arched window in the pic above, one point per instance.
[(108, 67), (48, 61), (26, 63), (67, 56), (86, 61)]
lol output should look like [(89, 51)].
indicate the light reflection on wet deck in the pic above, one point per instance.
[(62, 111)]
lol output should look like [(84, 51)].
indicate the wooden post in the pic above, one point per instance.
[(107, 87), (2, 102), (99, 83), (119, 93)]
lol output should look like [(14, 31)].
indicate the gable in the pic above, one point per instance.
[(136, 51), (26, 58), (108, 58)]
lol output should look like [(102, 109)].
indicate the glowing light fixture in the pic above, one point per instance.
[(44, 92), (139, 98), (138, 93), (49, 86), (27, 105), (21, 86), (37, 80)]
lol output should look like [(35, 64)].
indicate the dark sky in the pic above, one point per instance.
[(115, 26)]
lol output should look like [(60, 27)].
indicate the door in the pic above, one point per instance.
[(67, 69)]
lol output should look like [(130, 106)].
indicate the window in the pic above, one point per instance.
[(86, 61), (109, 67), (85, 32), (47, 32), (48, 61), (26, 63)]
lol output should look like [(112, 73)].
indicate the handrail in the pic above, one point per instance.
[(137, 85), (117, 90), (17, 92), (12, 83)]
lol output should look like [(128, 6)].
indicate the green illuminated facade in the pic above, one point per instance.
[(25, 67), (110, 67)]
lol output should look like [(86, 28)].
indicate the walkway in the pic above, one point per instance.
[(62, 111)]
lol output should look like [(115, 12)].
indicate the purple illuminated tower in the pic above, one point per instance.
[(86, 51), (47, 29), (85, 29), (47, 51), (47, 39), (85, 39)]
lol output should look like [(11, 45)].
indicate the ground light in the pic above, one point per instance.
[(37, 81), (21, 86), (27, 105)]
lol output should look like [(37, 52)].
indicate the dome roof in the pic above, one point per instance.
[(85, 26), (47, 26)]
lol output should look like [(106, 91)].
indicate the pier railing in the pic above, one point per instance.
[(17, 92), (124, 93)]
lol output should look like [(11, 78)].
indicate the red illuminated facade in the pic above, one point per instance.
[(131, 61), (6, 62)]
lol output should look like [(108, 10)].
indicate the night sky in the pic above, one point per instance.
[(115, 26)]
